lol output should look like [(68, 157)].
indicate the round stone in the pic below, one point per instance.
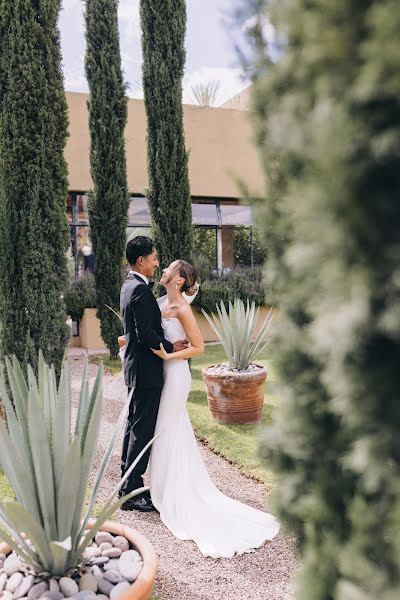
[(68, 586), (112, 552), (100, 560), (96, 571), (52, 596), (119, 589), (112, 564), (88, 582), (113, 576), (85, 595), (121, 543), (54, 587), (101, 597), (105, 546), (12, 565), (38, 590), (6, 595), (92, 552), (103, 536), (3, 581), (104, 586), (24, 587), (14, 582), (3, 557), (130, 565)]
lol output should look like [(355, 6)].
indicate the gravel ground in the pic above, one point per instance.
[(184, 574)]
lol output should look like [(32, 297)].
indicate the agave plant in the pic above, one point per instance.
[(235, 330), (48, 466), (205, 94)]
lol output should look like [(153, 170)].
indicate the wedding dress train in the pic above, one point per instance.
[(189, 503)]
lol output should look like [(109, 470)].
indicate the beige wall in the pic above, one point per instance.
[(219, 141)]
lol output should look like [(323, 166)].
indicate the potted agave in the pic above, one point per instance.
[(62, 552), (235, 390)]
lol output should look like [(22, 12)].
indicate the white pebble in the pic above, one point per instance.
[(105, 546), (112, 552), (96, 571), (38, 590), (121, 542), (104, 586), (130, 565), (103, 536), (92, 552), (54, 587), (68, 586), (6, 595), (113, 576), (3, 581), (12, 565), (112, 564), (119, 589), (24, 587), (14, 582)]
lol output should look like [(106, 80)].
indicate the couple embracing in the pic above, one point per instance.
[(160, 337)]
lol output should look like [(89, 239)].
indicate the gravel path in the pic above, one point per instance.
[(184, 574)]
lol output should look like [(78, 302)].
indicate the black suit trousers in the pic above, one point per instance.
[(141, 423)]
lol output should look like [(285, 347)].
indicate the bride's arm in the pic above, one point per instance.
[(193, 334)]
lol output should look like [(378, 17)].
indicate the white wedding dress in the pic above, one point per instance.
[(189, 503)]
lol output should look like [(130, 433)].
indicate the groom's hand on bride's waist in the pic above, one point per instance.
[(180, 345)]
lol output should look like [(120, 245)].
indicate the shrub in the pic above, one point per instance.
[(204, 244), (245, 284), (80, 295), (242, 247)]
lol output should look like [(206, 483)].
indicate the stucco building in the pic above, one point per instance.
[(222, 162)]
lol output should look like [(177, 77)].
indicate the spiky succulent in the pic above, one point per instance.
[(48, 466), (236, 332)]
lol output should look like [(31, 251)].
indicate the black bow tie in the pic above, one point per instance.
[(151, 284)]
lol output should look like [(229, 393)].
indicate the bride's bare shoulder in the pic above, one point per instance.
[(184, 309)]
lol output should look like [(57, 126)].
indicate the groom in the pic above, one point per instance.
[(143, 370)]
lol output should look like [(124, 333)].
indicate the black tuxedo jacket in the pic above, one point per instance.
[(142, 328)]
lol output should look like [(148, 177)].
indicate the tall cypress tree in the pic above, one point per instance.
[(163, 37), (108, 206), (327, 118), (34, 236)]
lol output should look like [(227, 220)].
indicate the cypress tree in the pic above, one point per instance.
[(163, 36), (108, 206), (34, 235), (327, 122)]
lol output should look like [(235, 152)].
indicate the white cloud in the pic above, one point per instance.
[(231, 82)]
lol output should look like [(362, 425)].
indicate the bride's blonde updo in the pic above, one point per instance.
[(189, 274)]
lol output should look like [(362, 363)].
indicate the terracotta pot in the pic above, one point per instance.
[(141, 588), (235, 397)]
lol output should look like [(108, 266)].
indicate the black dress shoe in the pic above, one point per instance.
[(139, 503)]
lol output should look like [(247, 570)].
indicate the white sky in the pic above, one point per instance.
[(210, 41)]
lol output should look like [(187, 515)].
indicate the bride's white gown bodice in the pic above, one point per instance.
[(189, 503)]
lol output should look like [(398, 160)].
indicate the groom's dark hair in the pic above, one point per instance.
[(140, 245)]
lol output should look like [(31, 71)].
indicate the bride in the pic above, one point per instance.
[(189, 503)]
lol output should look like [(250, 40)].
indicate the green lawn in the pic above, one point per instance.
[(237, 443), (111, 365)]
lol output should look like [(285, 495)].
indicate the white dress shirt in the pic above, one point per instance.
[(140, 275)]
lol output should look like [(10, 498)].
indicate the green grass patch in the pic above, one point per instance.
[(114, 366), (239, 444), (6, 494)]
